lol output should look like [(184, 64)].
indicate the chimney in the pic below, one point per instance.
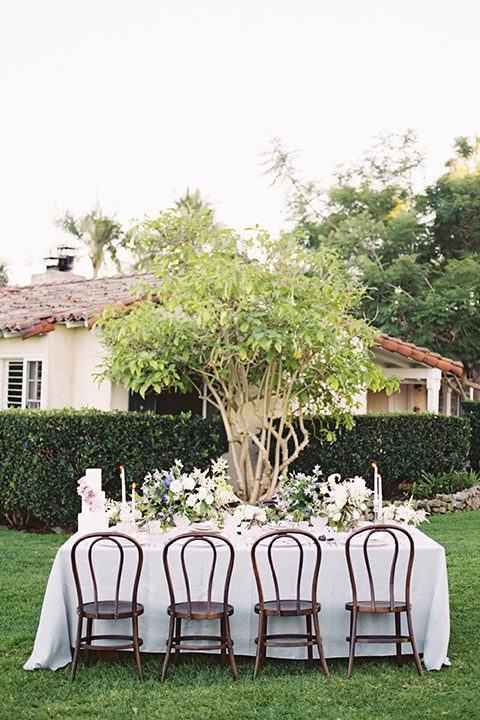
[(60, 271)]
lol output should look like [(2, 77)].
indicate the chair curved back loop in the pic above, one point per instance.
[(120, 542), (370, 532), (209, 540), (279, 537)]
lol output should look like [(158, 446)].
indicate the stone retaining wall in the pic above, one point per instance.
[(458, 502)]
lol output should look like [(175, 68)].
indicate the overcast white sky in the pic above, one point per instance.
[(130, 101)]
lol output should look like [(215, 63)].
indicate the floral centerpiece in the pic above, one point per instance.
[(199, 495), (345, 501), (309, 496), (404, 514), (300, 496)]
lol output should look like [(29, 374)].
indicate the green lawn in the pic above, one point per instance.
[(200, 689)]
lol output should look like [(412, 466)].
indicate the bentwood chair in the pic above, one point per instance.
[(199, 604), (121, 560), (358, 549), (267, 571)]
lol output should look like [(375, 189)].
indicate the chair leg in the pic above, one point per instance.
[(89, 634), (230, 648), (169, 647), (318, 638), (260, 644), (398, 632), (76, 652), (263, 656), (353, 637), (413, 643), (308, 621), (223, 639), (136, 648), (178, 635)]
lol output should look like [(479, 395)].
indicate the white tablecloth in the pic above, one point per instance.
[(429, 595)]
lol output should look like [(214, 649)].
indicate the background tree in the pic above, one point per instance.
[(190, 222), (100, 234), (273, 340), (417, 254), (3, 273)]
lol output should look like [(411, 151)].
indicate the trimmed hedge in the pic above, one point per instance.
[(402, 445), (44, 453), (471, 409)]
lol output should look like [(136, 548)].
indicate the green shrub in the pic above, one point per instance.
[(471, 409), (44, 453), (402, 444), (429, 485)]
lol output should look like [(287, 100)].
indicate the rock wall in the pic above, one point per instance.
[(458, 502)]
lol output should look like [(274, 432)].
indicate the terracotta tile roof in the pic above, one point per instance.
[(420, 354), (34, 309)]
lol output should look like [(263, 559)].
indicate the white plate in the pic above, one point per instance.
[(285, 541), (375, 541), (142, 539)]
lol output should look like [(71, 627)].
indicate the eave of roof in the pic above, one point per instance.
[(420, 354), (35, 309)]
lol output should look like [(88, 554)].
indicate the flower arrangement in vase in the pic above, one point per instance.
[(300, 497), (196, 496), (345, 501), (307, 497)]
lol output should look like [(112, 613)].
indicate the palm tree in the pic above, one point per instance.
[(101, 235)]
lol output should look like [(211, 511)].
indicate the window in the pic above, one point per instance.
[(23, 384)]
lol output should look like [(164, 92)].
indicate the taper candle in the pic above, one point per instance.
[(124, 492)]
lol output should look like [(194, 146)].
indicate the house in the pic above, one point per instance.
[(50, 351)]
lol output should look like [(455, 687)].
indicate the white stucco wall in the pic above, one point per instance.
[(70, 358)]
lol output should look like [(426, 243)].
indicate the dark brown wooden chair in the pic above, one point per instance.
[(206, 608), (279, 606), (359, 561), (123, 553)]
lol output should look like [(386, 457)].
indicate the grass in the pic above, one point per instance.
[(199, 689)]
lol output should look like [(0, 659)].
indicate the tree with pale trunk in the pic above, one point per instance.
[(264, 331)]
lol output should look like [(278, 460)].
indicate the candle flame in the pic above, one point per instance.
[(374, 465), (121, 467), (134, 485)]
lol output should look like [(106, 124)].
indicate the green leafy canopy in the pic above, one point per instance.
[(269, 331)]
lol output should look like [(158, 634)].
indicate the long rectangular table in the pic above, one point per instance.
[(430, 603)]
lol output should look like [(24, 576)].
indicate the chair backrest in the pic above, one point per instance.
[(274, 540), (367, 539), (124, 552), (192, 546)]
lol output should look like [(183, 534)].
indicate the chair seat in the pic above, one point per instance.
[(106, 610), (287, 608), (198, 610), (381, 606)]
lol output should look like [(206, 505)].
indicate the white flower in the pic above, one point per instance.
[(261, 515), (176, 487), (191, 500), (188, 482), (209, 499), (202, 493), (339, 495)]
